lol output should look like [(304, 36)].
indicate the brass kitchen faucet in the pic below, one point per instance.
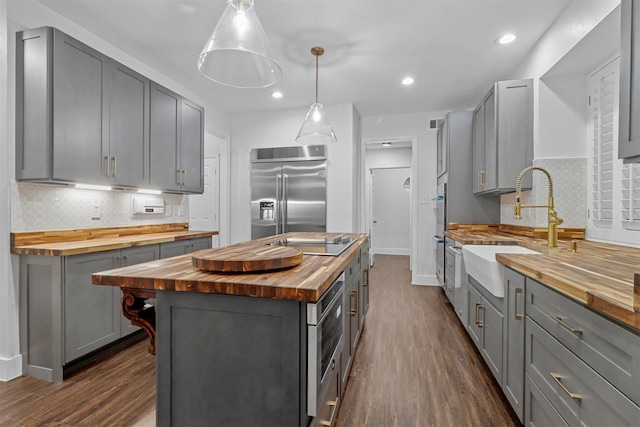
[(553, 220)]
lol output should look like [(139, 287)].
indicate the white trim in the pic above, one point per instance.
[(393, 251), (425, 280), (10, 368)]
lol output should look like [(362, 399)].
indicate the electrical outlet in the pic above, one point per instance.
[(96, 211)]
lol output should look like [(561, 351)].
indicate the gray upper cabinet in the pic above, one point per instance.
[(629, 130), (177, 142), (503, 137), (62, 108), (82, 117), (126, 158)]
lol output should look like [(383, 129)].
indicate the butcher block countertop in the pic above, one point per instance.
[(88, 240), (604, 277), (306, 281)]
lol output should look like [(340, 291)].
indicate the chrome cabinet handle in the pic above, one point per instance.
[(516, 315), (568, 327), (558, 379), (184, 177), (334, 405), (115, 165), (178, 176), (105, 159)]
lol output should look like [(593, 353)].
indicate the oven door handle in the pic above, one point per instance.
[(438, 239)]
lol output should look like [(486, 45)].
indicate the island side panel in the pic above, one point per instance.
[(230, 360)]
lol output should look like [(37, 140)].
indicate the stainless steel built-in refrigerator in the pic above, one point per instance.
[(288, 190)]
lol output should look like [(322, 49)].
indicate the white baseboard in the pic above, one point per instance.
[(10, 368), (391, 251), (425, 280)]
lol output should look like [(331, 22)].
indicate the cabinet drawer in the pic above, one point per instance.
[(538, 410), (579, 394), (610, 349), (353, 268), (328, 412)]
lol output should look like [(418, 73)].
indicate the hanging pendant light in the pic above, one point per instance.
[(316, 128), (238, 53)]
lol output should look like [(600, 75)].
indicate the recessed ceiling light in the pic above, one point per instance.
[(407, 81), (506, 39), (277, 95), (386, 144)]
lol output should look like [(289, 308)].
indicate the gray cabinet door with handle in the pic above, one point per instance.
[(513, 370)]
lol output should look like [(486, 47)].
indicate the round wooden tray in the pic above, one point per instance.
[(232, 259)]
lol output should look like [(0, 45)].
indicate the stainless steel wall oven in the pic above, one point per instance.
[(325, 341)]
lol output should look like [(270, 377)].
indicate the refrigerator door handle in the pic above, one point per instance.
[(278, 205), (285, 202)]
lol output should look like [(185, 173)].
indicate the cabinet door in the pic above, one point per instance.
[(354, 330), (127, 156), (629, 131), (492, 319), (133, 256), (513, 385), (478, 149), (91, 317), (474, 322), (80, 111), (166, 112), (192, 148), (171, 249), (199, 244), (346, 359), (490, 168)]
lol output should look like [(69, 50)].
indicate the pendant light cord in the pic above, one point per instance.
[(317, 79)]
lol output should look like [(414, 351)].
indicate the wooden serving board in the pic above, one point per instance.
[(236, 258)]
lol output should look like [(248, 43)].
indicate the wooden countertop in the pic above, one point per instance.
[(304, 282), (604, 277), (82, 241)]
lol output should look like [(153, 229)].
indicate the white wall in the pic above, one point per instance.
[(279, 129), (10, 360), (414, 127)]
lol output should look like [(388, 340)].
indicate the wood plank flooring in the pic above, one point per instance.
[(415, 366)]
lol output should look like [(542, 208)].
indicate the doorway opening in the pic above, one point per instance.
[(389, 197)]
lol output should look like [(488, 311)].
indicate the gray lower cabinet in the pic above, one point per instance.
[(629, 129), (230, 360), (64, 316), (513, 359), (177, 142), (503, 137), (364, 289), (181, 247), (538, 411), (485, 326)]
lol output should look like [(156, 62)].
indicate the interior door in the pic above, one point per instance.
[(304, 196), (204, 208), (391, 230)]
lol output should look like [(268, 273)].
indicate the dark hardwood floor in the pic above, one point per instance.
[(415, 366)]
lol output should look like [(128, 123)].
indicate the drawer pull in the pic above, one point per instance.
[(366, 280), (354, 304), (517, 315), (558, 379), (334, 405), (569, 328)]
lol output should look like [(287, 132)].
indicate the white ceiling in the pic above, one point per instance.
[(448, 46)]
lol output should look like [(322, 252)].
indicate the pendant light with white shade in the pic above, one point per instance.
[(238, 53), (316, 128)]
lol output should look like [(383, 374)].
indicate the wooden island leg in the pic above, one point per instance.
[(133, 308)]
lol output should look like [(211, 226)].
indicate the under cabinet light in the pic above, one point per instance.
[(93, 187), (147, 191)]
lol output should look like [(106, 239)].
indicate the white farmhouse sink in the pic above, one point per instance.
[(480, 263)]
